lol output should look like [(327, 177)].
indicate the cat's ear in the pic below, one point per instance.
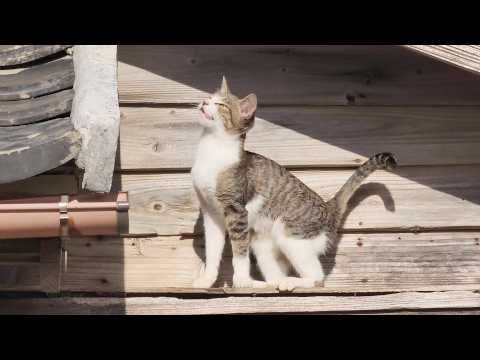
[(248, 106), (224, 88)]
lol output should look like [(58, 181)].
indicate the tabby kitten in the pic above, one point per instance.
[(259, 204)]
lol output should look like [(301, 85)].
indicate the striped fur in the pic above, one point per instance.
[(376, 162)]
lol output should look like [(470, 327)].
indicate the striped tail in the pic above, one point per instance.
[(376, 162)]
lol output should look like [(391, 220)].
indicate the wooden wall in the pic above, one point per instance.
[(323, 111)]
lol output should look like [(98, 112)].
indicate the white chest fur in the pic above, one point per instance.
[(214, 155)]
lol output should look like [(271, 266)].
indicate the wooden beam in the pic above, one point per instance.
[(466, 57), (95, 113), (241, 305)]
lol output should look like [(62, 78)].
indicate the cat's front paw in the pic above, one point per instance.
[(291, 283), (204, 281), (247, 282)]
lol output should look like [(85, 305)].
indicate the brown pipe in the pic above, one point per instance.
[(63, 215)]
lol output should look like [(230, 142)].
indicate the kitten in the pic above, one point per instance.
[(259, 204)]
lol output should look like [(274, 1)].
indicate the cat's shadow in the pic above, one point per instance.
[(327, 261)]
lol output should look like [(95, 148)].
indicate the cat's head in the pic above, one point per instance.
[(225, 113)]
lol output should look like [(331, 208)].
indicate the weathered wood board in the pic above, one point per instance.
[(459, 300), (424, 197), (363, 263), (21, 112), (20, 265), (166, 138), (42, 185), (12, 55), (28, 150), (292, 75), (51, 261), (30, 265), (463, 56), (38, 80)]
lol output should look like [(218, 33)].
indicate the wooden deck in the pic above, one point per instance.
[(411, 240), (464, 56)]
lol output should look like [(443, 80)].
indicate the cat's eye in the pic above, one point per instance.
[(223, 105)]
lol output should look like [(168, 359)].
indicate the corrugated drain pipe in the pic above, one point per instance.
[(64, 215)]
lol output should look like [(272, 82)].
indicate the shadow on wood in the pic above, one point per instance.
[(425, 122)]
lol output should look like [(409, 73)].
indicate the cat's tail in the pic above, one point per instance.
[(376, 162)]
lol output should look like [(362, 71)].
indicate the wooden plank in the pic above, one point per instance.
[(410, 198), (463, 56), (20, 277), (28, 150), (50, 265), (29, 111), (30, 265), (38, 80), (39, 185), (425, 312), (363, 263), (11, 55), (19, 265), (166, 138), (22, 246), (240, 305), (299, 75)]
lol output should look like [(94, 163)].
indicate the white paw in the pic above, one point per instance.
[(291, 283), (288, 283), (248, 282), (204, 281), (274, 283)]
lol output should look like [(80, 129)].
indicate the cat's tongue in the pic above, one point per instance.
[(206, 115)]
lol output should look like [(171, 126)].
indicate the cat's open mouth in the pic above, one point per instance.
[(205, 114)]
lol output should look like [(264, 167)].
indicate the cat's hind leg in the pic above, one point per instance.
[(272, 266), (303, 255)]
